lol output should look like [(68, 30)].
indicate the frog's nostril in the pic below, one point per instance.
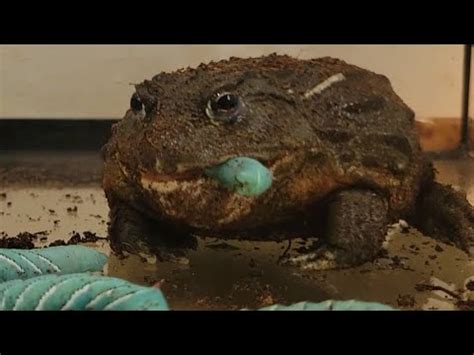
[(245, 176)]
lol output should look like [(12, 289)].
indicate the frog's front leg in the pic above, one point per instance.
[(355, 231), (132, 232)]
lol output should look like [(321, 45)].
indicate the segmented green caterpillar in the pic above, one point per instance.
[(84, 292), (78, 292), (24, 264), (66, 285), (331, 305)]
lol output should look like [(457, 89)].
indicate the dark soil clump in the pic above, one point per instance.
[(21, 241)]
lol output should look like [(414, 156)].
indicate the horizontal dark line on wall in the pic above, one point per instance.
[(436, 135), (54, 134)]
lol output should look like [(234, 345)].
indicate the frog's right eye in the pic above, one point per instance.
[(225, 107), (135, 103)]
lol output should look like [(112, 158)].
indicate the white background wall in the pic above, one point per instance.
[(92, 81)]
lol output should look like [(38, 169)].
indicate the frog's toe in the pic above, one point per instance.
[(150, 254), (325, 258), (129, 247), (170, 256)]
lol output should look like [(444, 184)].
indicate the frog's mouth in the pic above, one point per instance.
[(245, 176), (184, 167)]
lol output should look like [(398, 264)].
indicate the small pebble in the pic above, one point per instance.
[(72, 209)]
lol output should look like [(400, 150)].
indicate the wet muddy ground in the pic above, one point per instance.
[(55, 196)]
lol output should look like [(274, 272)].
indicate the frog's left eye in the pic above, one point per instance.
[(225, 106)]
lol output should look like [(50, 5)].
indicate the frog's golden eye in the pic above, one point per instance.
[(135, 103), (225, 107)]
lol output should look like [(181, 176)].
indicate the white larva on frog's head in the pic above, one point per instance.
[(319, 88)]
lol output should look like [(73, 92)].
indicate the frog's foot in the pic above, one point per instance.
[(131, 233), (157, 247), (170, 255), (445, 214), (170, 246), (324, 258), (163, 256), (356, 228), (151, 252)]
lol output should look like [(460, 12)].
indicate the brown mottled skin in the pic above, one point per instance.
[(346, 161)]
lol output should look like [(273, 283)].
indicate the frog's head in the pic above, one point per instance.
[(182, 124)]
